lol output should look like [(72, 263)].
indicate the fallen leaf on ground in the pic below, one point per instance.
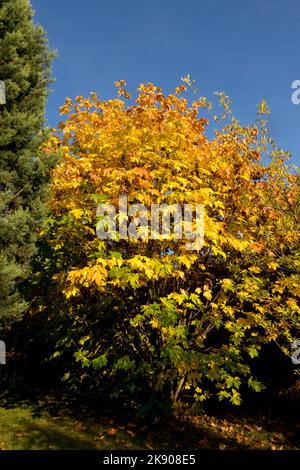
[(148, 446), (112, 431)]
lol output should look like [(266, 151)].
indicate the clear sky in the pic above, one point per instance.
[(247, 48)]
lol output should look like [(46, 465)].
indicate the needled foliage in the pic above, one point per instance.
[(24, 67), (149, 317)]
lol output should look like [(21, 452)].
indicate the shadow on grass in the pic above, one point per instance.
[(63, 423), (19, 429)]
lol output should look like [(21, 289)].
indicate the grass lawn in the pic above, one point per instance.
[(33, 426)]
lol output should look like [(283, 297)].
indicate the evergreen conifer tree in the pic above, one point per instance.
[(25, 61)]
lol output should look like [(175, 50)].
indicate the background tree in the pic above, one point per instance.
[(25, 68)]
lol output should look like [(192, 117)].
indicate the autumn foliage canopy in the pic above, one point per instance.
[(149, 318)]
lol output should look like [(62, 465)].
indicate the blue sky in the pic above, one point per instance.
[(249, 49)]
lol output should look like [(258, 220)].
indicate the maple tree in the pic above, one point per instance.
[(147, 314)]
